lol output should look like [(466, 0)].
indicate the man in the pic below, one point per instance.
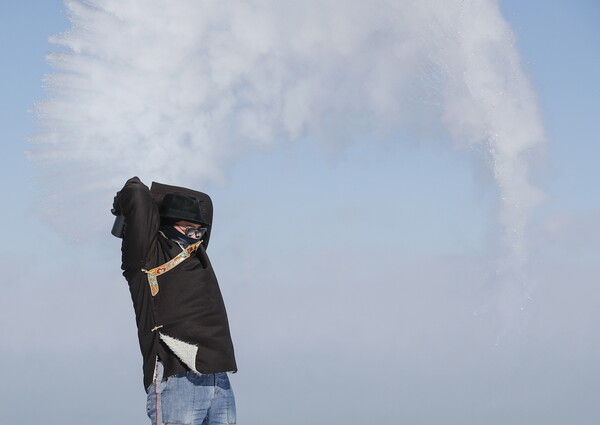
[(182, 324)]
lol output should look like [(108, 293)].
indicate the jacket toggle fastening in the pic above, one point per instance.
[(185, 351)]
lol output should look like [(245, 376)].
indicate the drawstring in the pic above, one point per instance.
[(157, 408)]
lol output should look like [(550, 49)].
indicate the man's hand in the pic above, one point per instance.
[(116, 209)]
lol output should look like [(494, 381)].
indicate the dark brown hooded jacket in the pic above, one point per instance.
[(180, 314)]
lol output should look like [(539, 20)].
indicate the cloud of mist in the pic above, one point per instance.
[(148, 87)]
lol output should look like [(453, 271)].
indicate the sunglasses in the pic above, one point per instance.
[(193, 232)]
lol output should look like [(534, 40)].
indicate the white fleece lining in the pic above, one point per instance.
[(186, 352)]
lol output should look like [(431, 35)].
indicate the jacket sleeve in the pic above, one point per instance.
[(142, 221)]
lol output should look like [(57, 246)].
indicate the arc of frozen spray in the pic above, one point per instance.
[(141, 84), (488, 99)]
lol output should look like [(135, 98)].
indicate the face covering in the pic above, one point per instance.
[(176, 236)]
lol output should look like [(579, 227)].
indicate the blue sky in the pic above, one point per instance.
[(361, 275)]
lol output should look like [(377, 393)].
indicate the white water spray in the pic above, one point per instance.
[(139, 85)]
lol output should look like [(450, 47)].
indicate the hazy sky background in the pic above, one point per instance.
[(363, 280)]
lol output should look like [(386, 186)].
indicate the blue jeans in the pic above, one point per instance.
[(190, 399)]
